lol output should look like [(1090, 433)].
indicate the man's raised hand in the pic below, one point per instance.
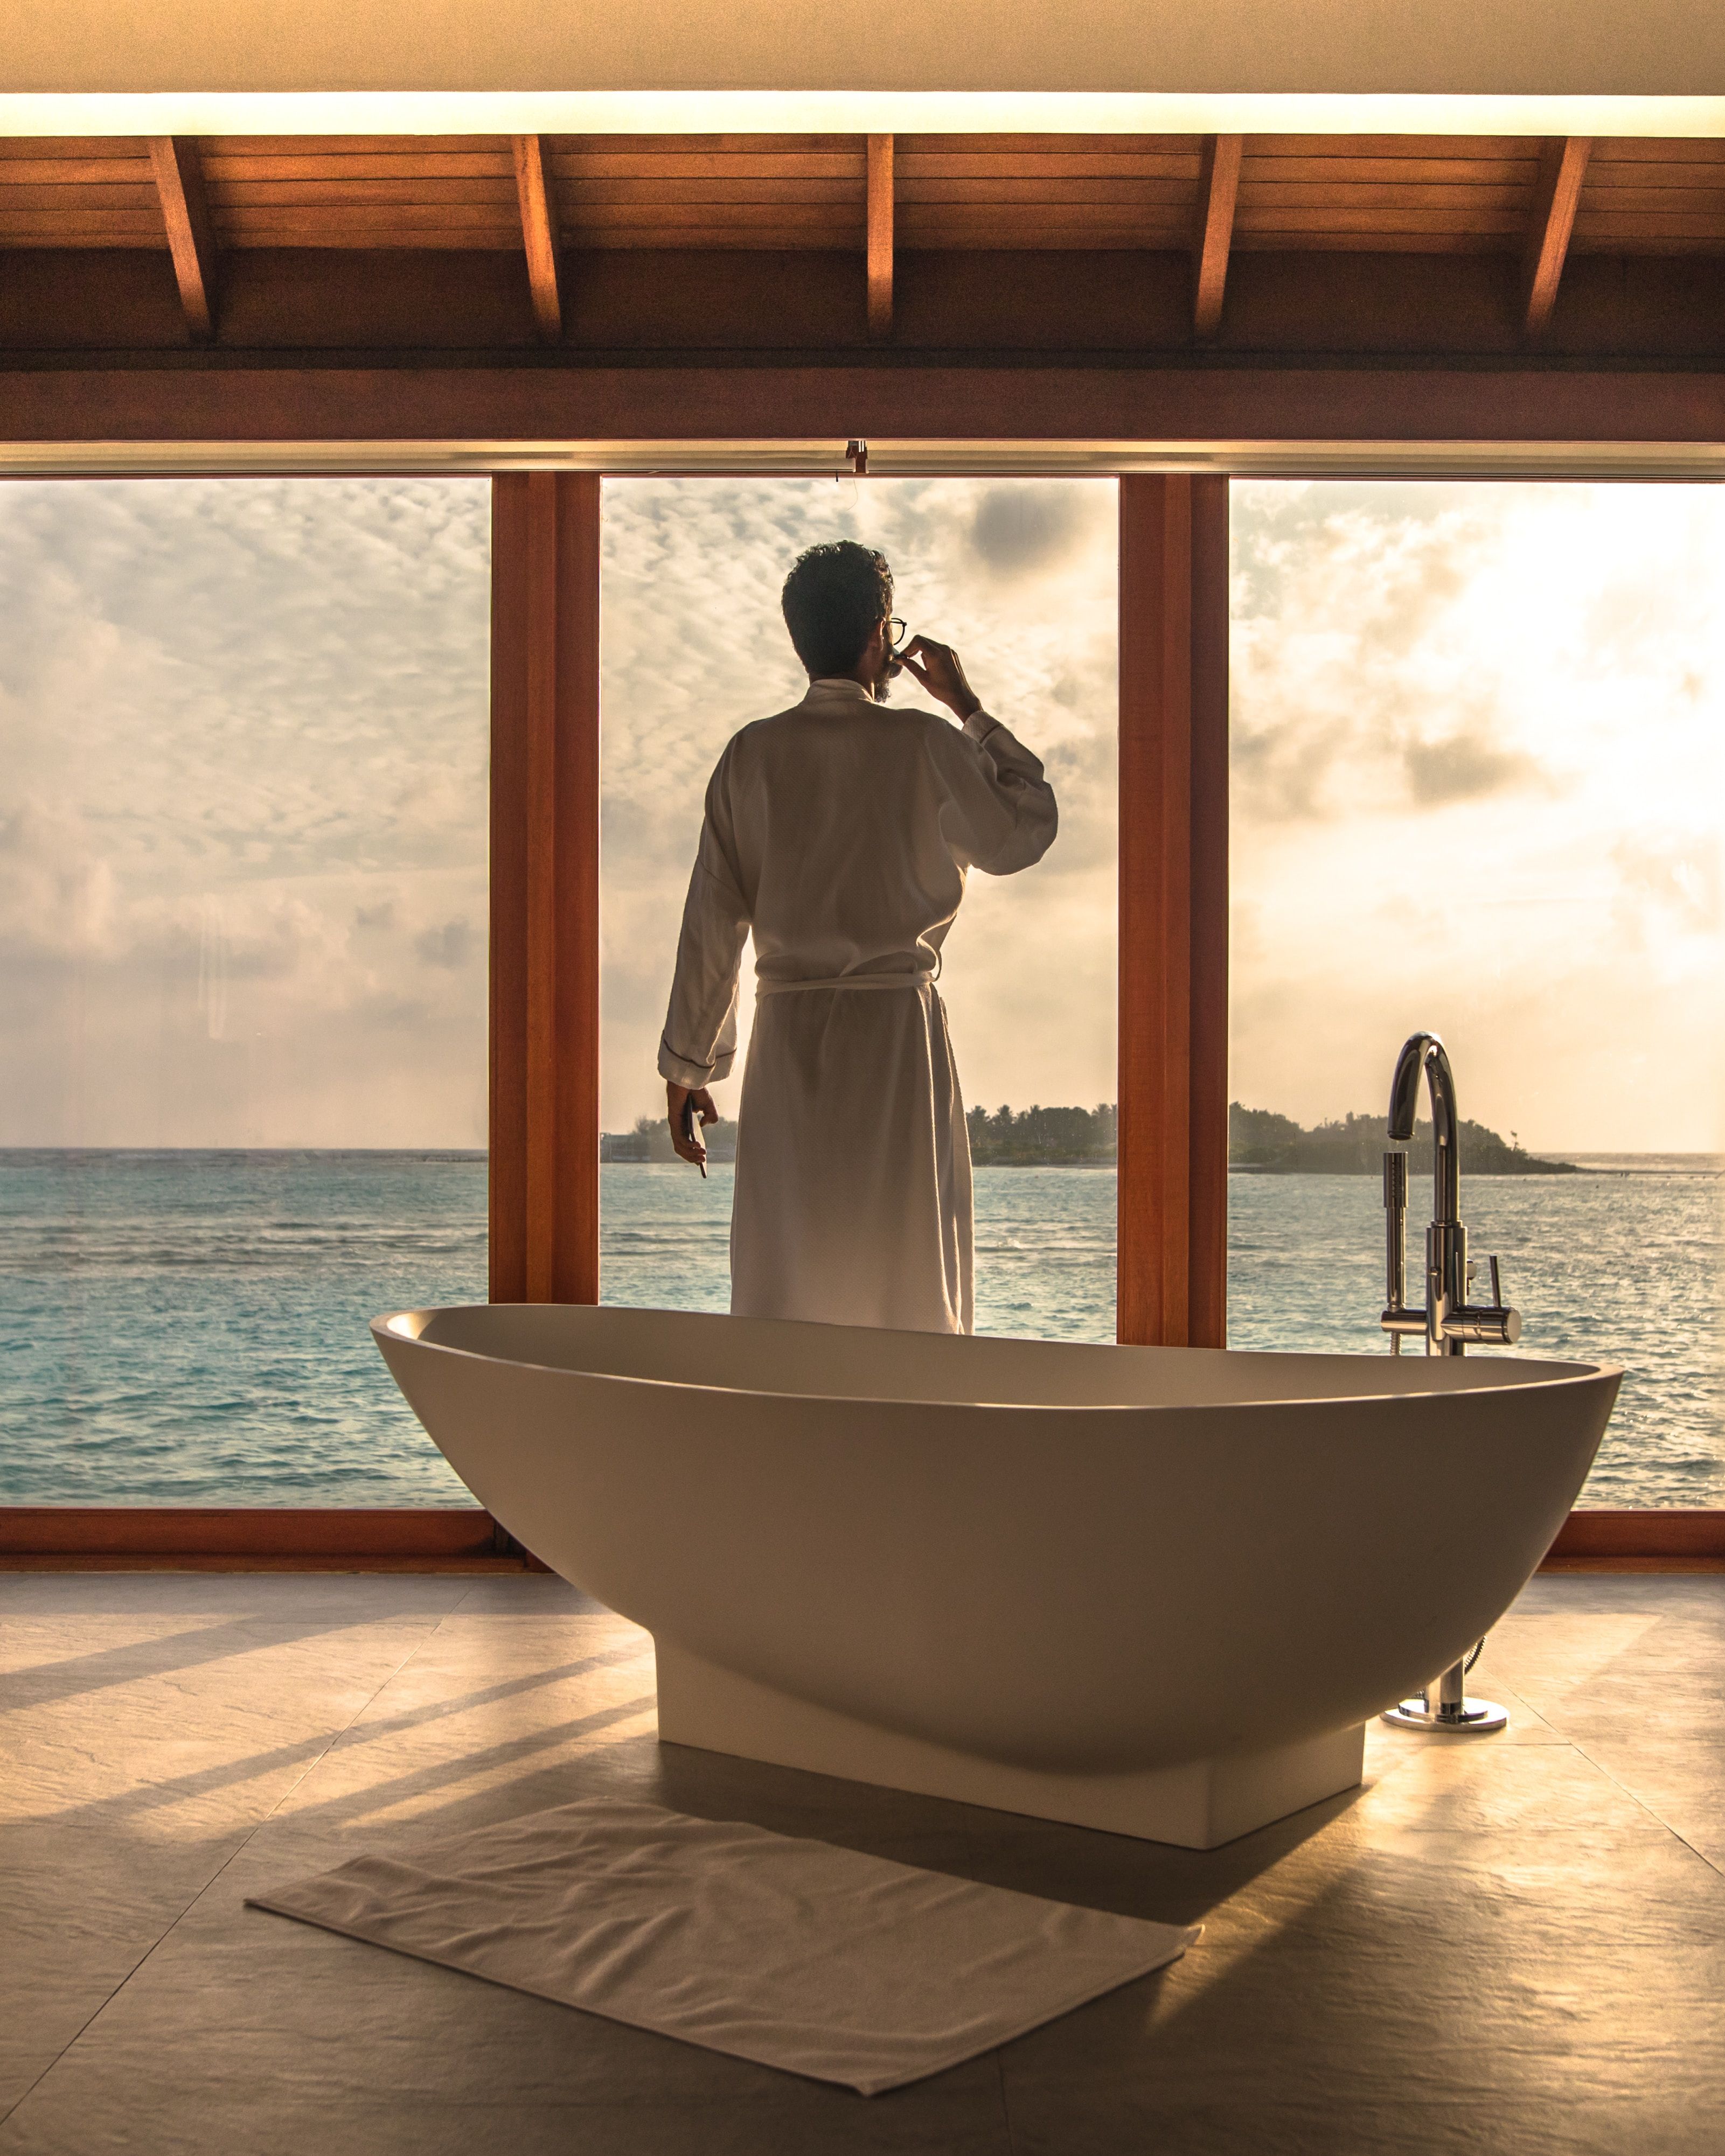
[(937, 666)]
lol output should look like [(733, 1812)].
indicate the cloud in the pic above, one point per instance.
[(1507, 702), (266, 672), (1016, 529), (1466, 766), (1677, 873), (1282, 774), (1377, 659), (55, 899), (243, 758), (451, 946)]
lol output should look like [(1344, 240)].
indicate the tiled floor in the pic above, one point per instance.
[(1516, 1945)]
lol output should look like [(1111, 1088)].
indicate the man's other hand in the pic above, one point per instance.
[(675, 1095), (937, 666)]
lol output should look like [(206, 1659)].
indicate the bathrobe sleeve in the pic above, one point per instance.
[(699, 1044), (1000, 814)]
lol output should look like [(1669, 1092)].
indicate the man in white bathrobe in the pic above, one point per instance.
[(841, 832)]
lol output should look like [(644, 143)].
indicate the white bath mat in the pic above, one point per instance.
[(790, 1953)]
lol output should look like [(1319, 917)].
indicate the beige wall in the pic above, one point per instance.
[(1513, 48)]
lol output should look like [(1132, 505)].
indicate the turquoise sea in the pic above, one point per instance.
[(190, 1327)]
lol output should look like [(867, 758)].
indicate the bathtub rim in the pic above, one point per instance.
[(1565, 1372)]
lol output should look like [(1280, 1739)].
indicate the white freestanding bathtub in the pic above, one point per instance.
[(1155, 1590)]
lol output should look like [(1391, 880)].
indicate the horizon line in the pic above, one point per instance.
[(483, 1153)]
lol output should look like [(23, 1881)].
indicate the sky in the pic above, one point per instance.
[(1476, 745), (1478, 742), (243, 812)]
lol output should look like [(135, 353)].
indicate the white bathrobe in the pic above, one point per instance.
[(840, 832)]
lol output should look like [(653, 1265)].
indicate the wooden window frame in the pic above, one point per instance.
[(1172, 1091), (1173, 1130), (544, 1035), (544, 1052)]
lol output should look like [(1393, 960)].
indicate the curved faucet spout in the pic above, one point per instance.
[(1425, 1052)]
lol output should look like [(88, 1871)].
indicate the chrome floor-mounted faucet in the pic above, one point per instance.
[(1449, 1322)]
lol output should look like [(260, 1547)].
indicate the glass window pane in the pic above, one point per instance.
[(1020, 578), (1477, 785), (243, 926)]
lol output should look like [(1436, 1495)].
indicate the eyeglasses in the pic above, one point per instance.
[(898, 632)]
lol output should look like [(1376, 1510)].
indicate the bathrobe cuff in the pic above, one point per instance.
[(980, 725), (694, 1075)]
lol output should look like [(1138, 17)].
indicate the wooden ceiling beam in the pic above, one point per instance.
[(880, 235), (1507, 402), (1212, 235), (178, 173), (539, 234), (1557, 194)]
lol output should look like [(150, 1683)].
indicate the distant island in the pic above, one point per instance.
[(650, 1140), (1260, 1142), (1043, 1137), (1031, 1137)]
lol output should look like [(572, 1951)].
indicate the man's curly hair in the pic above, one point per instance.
[(834, 598)]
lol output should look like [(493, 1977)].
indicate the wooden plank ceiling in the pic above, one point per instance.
[(1204, 197)]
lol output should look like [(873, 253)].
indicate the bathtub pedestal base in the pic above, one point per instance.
[(1197, 1806)]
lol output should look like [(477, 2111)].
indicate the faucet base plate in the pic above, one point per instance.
[(1474, 1717)]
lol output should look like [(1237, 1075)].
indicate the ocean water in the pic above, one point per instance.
[(190, 1328)]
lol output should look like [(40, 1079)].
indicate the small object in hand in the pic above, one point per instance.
[(689, 1132)]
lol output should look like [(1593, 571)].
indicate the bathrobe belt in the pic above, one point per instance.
[(917, 980)]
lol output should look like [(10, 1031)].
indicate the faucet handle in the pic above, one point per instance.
[(1491, 1324)]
